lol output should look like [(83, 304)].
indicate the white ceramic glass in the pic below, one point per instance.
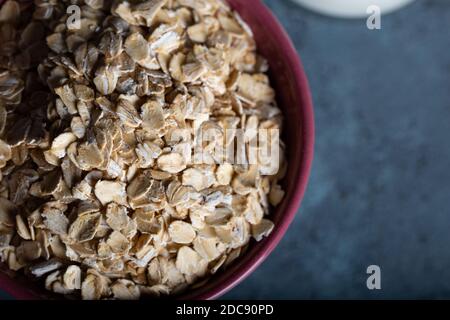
[(351, 8)]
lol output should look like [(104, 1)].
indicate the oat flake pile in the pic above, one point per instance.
[(96, 199)]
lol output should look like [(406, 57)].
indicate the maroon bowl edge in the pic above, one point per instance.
[(300, 180), (237, 273)]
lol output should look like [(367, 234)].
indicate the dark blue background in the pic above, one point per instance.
[(379, 191)]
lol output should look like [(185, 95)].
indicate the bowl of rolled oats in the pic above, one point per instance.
[(148, 148)]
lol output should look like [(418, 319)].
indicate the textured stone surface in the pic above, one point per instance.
[(380, 184)]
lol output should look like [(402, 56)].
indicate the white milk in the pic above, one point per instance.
[(351, 8)]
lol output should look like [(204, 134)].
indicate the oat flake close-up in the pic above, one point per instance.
[(97, 197)]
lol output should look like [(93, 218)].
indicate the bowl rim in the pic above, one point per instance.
[(300, 183), (304, 168)]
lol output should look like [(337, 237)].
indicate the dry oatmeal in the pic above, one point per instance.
[(97, 196)]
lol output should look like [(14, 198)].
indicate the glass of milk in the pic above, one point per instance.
[(351, 8)]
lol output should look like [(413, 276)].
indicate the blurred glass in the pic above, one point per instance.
[(351, 8)]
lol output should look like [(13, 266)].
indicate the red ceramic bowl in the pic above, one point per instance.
[(294, 98)]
